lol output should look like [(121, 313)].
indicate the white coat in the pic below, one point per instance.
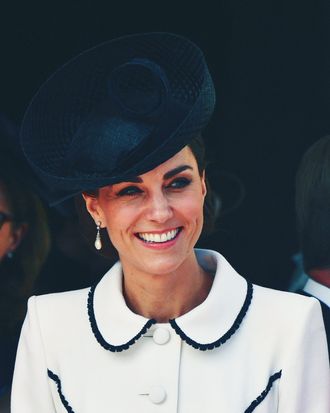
[(245, 348)]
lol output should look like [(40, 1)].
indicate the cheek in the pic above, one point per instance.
[(119, 220), (192, 207)]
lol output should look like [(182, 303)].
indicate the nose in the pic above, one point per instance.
[(158, 208)]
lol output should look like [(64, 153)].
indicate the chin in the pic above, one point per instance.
[(163, 265)]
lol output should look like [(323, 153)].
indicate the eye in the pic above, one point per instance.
[(129, 191), (179, 183)]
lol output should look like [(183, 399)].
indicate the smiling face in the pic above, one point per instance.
[(155, 221)]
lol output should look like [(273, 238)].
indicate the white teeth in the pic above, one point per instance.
[(165, 236)]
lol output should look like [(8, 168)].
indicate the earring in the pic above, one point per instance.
[(98, 242), (10, 254)]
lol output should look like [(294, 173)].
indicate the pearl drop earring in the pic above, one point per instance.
[(98, 242)]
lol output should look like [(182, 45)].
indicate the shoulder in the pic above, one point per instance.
[(68, 301), (58, 302), (288, 311), (283, 299), (266, 301), (59, 309), (270, 311), (65, 309), (59, 320)]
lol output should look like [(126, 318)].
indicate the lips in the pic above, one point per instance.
[(159, 238)]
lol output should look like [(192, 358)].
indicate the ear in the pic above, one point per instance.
[(94, 208), (204, 188), (16, 237)]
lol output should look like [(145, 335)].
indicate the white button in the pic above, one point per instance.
[(161, 335), (157, 394)]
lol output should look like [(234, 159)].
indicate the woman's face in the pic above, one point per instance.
[(154, 221), (6, 233)]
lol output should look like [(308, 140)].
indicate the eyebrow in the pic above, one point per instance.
[(167, 175), (176, 171)]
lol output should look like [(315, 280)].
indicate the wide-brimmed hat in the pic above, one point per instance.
[(115, 111)]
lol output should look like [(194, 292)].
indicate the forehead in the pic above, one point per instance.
[(184, 157)]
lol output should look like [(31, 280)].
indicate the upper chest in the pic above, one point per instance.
[(161, 373)]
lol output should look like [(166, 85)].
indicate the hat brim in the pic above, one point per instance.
[(70, 96)]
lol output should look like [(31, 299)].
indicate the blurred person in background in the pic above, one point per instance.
[(313, 223), (24, 244)]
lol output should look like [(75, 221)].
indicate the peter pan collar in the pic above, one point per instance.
[(205, 327)]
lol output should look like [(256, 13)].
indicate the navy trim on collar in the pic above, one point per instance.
[(97, 333), (224, 337), (205, 327)]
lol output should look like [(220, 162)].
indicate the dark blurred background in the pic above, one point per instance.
[(270, 64)]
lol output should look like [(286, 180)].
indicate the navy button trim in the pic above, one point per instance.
[(98, 334), (262, 396), (57, 380), (227, 335)]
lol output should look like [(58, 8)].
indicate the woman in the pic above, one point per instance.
[(313, 223), (23, 248), (168, 328)]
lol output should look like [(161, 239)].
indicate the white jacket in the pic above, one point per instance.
[(245, 348)]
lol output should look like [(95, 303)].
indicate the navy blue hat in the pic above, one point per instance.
[(115, 111)]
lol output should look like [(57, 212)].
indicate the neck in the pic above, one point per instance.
[(166, 296)]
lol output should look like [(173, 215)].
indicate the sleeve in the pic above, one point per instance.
[(30, 390), (305, 382)]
